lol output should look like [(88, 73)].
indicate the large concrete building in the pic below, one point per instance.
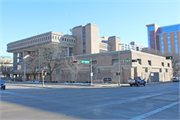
[(106, 66), (85, 43), (165, 39)]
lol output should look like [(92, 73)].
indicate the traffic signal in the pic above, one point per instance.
[(92, 68), (44, 73), (169, 57), (134, 60), (118, 73), (75, 61)]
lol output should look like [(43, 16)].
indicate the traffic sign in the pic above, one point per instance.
[(152, 74), (85, 61), (128, 60)]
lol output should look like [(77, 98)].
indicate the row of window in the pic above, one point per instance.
[(176, 42), (162, 44), (167, 29), (68, 40), (32, 41), (149, 63), (40, 39), (169, 42), (83, 40), (160, 70)]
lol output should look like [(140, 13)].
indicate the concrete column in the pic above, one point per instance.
[(67, 51), (39, 64), (14, 61)]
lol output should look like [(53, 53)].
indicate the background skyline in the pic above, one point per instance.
[(125, 19)]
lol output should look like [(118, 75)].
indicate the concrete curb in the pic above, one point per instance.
[(24, 85), (158, 82)]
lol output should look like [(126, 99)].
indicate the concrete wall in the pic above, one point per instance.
[(106, 65)]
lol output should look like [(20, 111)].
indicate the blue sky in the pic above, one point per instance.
[(126, 19)]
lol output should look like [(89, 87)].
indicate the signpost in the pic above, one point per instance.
[(89, 62)]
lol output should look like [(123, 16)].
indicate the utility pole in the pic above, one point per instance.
[(119, 65), (43, 78), (91, 71)]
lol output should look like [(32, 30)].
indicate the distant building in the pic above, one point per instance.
[(131, 46), (165, 39), (6, 65)]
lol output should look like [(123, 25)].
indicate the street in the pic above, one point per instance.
[(157, 101)]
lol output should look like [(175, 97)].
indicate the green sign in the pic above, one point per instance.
[(85, 61), (127, 60)]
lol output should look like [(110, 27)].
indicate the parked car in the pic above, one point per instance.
[(3, 85), (137, 81), (175, 80)]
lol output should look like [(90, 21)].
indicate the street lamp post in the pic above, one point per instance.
[(25, 57), (119, 65)]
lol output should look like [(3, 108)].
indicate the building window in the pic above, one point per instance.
[(146, 69), (169, 42), (157, 36), (166, 70), (176, 42), (162, 64), (150, 28), (84, 40), (160, 70), (168, 65), (149, 62), (162, 44), (70, 51)]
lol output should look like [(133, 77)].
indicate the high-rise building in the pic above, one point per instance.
[(165, 39)]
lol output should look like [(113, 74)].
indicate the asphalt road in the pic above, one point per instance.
[(158, 101)]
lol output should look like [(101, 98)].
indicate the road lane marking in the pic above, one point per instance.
[(155, 111)]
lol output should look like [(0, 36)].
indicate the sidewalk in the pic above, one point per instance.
[(72, 85)]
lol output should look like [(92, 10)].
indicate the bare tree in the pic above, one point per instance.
[(175, 60), (5, 66), (74, 66), (152, 51), (175, 63), (51, 57), (33, 63)]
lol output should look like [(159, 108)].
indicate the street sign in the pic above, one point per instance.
[(85, 61), (128, 60), (152, 74), (92, 74)]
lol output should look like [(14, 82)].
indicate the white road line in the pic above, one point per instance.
[(155, 111)]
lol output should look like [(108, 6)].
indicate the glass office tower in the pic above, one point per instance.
[(165, 39)]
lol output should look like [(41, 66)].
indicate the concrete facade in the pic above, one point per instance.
[(106, 65)]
